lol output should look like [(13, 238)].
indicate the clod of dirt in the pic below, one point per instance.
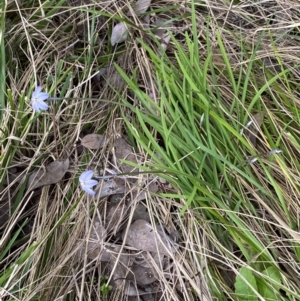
[(52, 174), (115, 217), (133, 298), (119, 33), (142, 236), (132, 290), (148, 297), (111, 186), (141, 194), (124, 151), (143, 268), (93, 141), (97, 238), (116, 198), (94, 247), (141, 212), (120, 265)]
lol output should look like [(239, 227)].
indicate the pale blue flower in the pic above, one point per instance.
[(275, 151), (86, 182), (252, 160), (38, 100)]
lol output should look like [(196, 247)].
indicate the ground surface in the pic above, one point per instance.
[(186, 114)]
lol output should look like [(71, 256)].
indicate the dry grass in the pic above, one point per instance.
[(63, 49)]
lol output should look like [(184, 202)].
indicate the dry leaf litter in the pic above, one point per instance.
[(136, 252)]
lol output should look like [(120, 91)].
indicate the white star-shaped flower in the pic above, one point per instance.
[(86, 182), (38, 100)]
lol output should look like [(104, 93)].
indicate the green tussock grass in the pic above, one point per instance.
[(194, 138)]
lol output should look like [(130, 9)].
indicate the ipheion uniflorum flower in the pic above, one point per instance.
[(38, 100), (87, 183)]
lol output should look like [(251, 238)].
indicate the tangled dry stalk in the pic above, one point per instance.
[(82, 243)]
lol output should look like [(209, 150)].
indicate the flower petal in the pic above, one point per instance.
[(86, 175), (35, 106), (37, 90), (91, 183), (42, 96), (89, 190), (42, 106), (275, 151), (37, 99)]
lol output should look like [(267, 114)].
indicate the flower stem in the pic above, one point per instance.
[(54, 131)]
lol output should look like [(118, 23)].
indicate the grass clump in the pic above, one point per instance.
[(196, 140), (206, 94)]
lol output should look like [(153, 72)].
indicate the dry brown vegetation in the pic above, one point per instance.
[(80, 246)]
